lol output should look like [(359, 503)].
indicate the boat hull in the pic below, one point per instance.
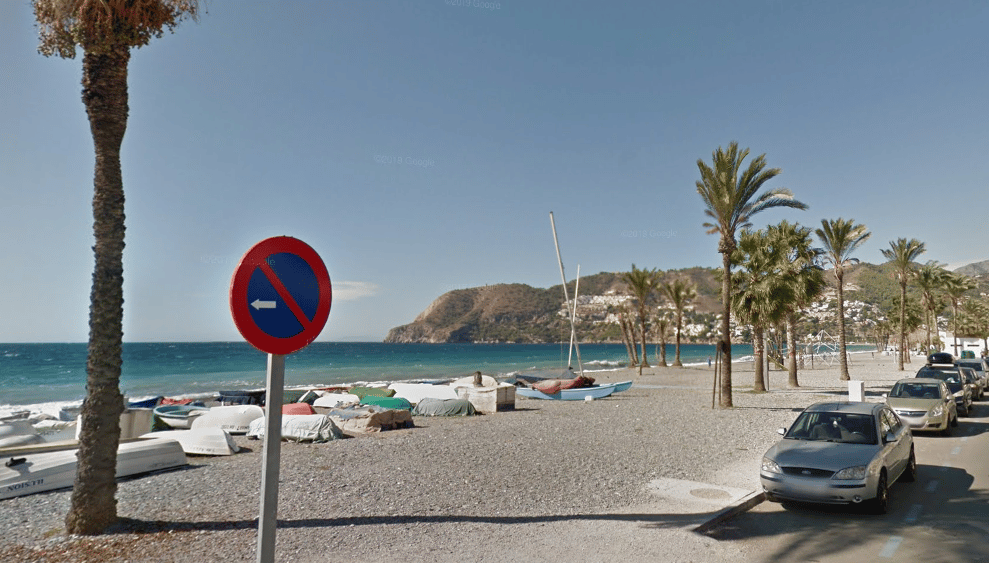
[(235, 419), (201, 441), (179, 417), (578, 394), (29, 473)]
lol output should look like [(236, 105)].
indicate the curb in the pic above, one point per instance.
[(745, 504)]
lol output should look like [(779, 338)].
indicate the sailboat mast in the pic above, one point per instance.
[(573, 325), (570, 309)]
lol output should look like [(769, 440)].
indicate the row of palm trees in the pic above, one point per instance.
[(647, 288), (780, 272), (939, 288)]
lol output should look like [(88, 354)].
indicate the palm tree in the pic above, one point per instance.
[(763, 289), (106, 31), (840, 239), (806, 275), (955, 287), (731, 200), (643, 285), (663, 328), (680, 292), (930, 279), (901, 253), (976, 316)]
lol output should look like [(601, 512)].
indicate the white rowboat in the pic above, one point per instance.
[(32, 469)]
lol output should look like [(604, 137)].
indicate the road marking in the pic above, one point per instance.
[(932, 486), (913, 513), (956, 450), (890, 548)]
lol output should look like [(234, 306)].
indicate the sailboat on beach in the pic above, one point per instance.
[(579, 387)]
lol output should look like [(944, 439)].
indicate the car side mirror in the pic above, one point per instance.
[(890, 437), (884, 396), (781, 431)]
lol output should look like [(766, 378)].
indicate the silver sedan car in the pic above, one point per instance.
[(924, 404), (840, 453)]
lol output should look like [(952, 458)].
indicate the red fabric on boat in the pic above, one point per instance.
[(167, 401), (577, 382), (549, 386), (298, 408)]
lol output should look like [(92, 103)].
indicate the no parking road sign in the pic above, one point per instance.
[(280, 295)]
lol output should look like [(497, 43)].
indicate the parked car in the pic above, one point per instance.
[(924, 404), (972, 380), (840, 453), (981, 371), (952, 375)]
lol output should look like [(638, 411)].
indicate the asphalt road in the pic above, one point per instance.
[(942, 517)]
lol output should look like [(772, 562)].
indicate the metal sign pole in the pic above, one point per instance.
[(272, 456)]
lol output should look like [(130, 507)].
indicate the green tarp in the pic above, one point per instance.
[(372, 392), (396, 403)]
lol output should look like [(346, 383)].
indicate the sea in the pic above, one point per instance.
[(44, 377)]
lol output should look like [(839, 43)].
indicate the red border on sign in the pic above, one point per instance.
[(240, 309)]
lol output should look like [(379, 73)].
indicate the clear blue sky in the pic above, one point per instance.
[(289, 118)]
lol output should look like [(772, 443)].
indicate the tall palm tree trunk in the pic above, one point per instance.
[(759, 357), (628, 339), (954, 327), (645, 362), (104, 93), (791, 349), (676, 358), (842, 351), (903, 326), (726, 401)]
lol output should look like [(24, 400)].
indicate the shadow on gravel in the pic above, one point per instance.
[(843, 393), (950, 529), (655, 521)]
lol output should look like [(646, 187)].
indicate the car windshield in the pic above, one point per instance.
[(834, 427), (977, 365), (952, 378), (905, 390)]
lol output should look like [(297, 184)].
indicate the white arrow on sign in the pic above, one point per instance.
[(258, 304)]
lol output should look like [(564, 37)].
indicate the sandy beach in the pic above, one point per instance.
[(627, 477)]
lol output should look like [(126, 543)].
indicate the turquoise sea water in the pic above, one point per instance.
[(35, 374)]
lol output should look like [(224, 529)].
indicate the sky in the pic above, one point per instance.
[(420, 146)]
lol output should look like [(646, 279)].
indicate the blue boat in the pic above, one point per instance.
[(146, 403), (179, 416), (577, 394)]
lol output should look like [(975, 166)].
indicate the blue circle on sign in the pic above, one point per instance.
[(268, 310)]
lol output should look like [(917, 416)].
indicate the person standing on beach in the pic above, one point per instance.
[(709, 361)]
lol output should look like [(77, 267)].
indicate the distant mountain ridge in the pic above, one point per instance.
[(974, 269), (520, 313)]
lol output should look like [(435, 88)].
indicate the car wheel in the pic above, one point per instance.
[(910, 473), (954, 421), (881, 503), (946, 431)]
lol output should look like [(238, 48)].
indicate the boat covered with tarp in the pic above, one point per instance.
[(443, 407)]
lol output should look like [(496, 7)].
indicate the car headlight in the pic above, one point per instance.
[(938, 410), (857, 472), (770, 466)]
